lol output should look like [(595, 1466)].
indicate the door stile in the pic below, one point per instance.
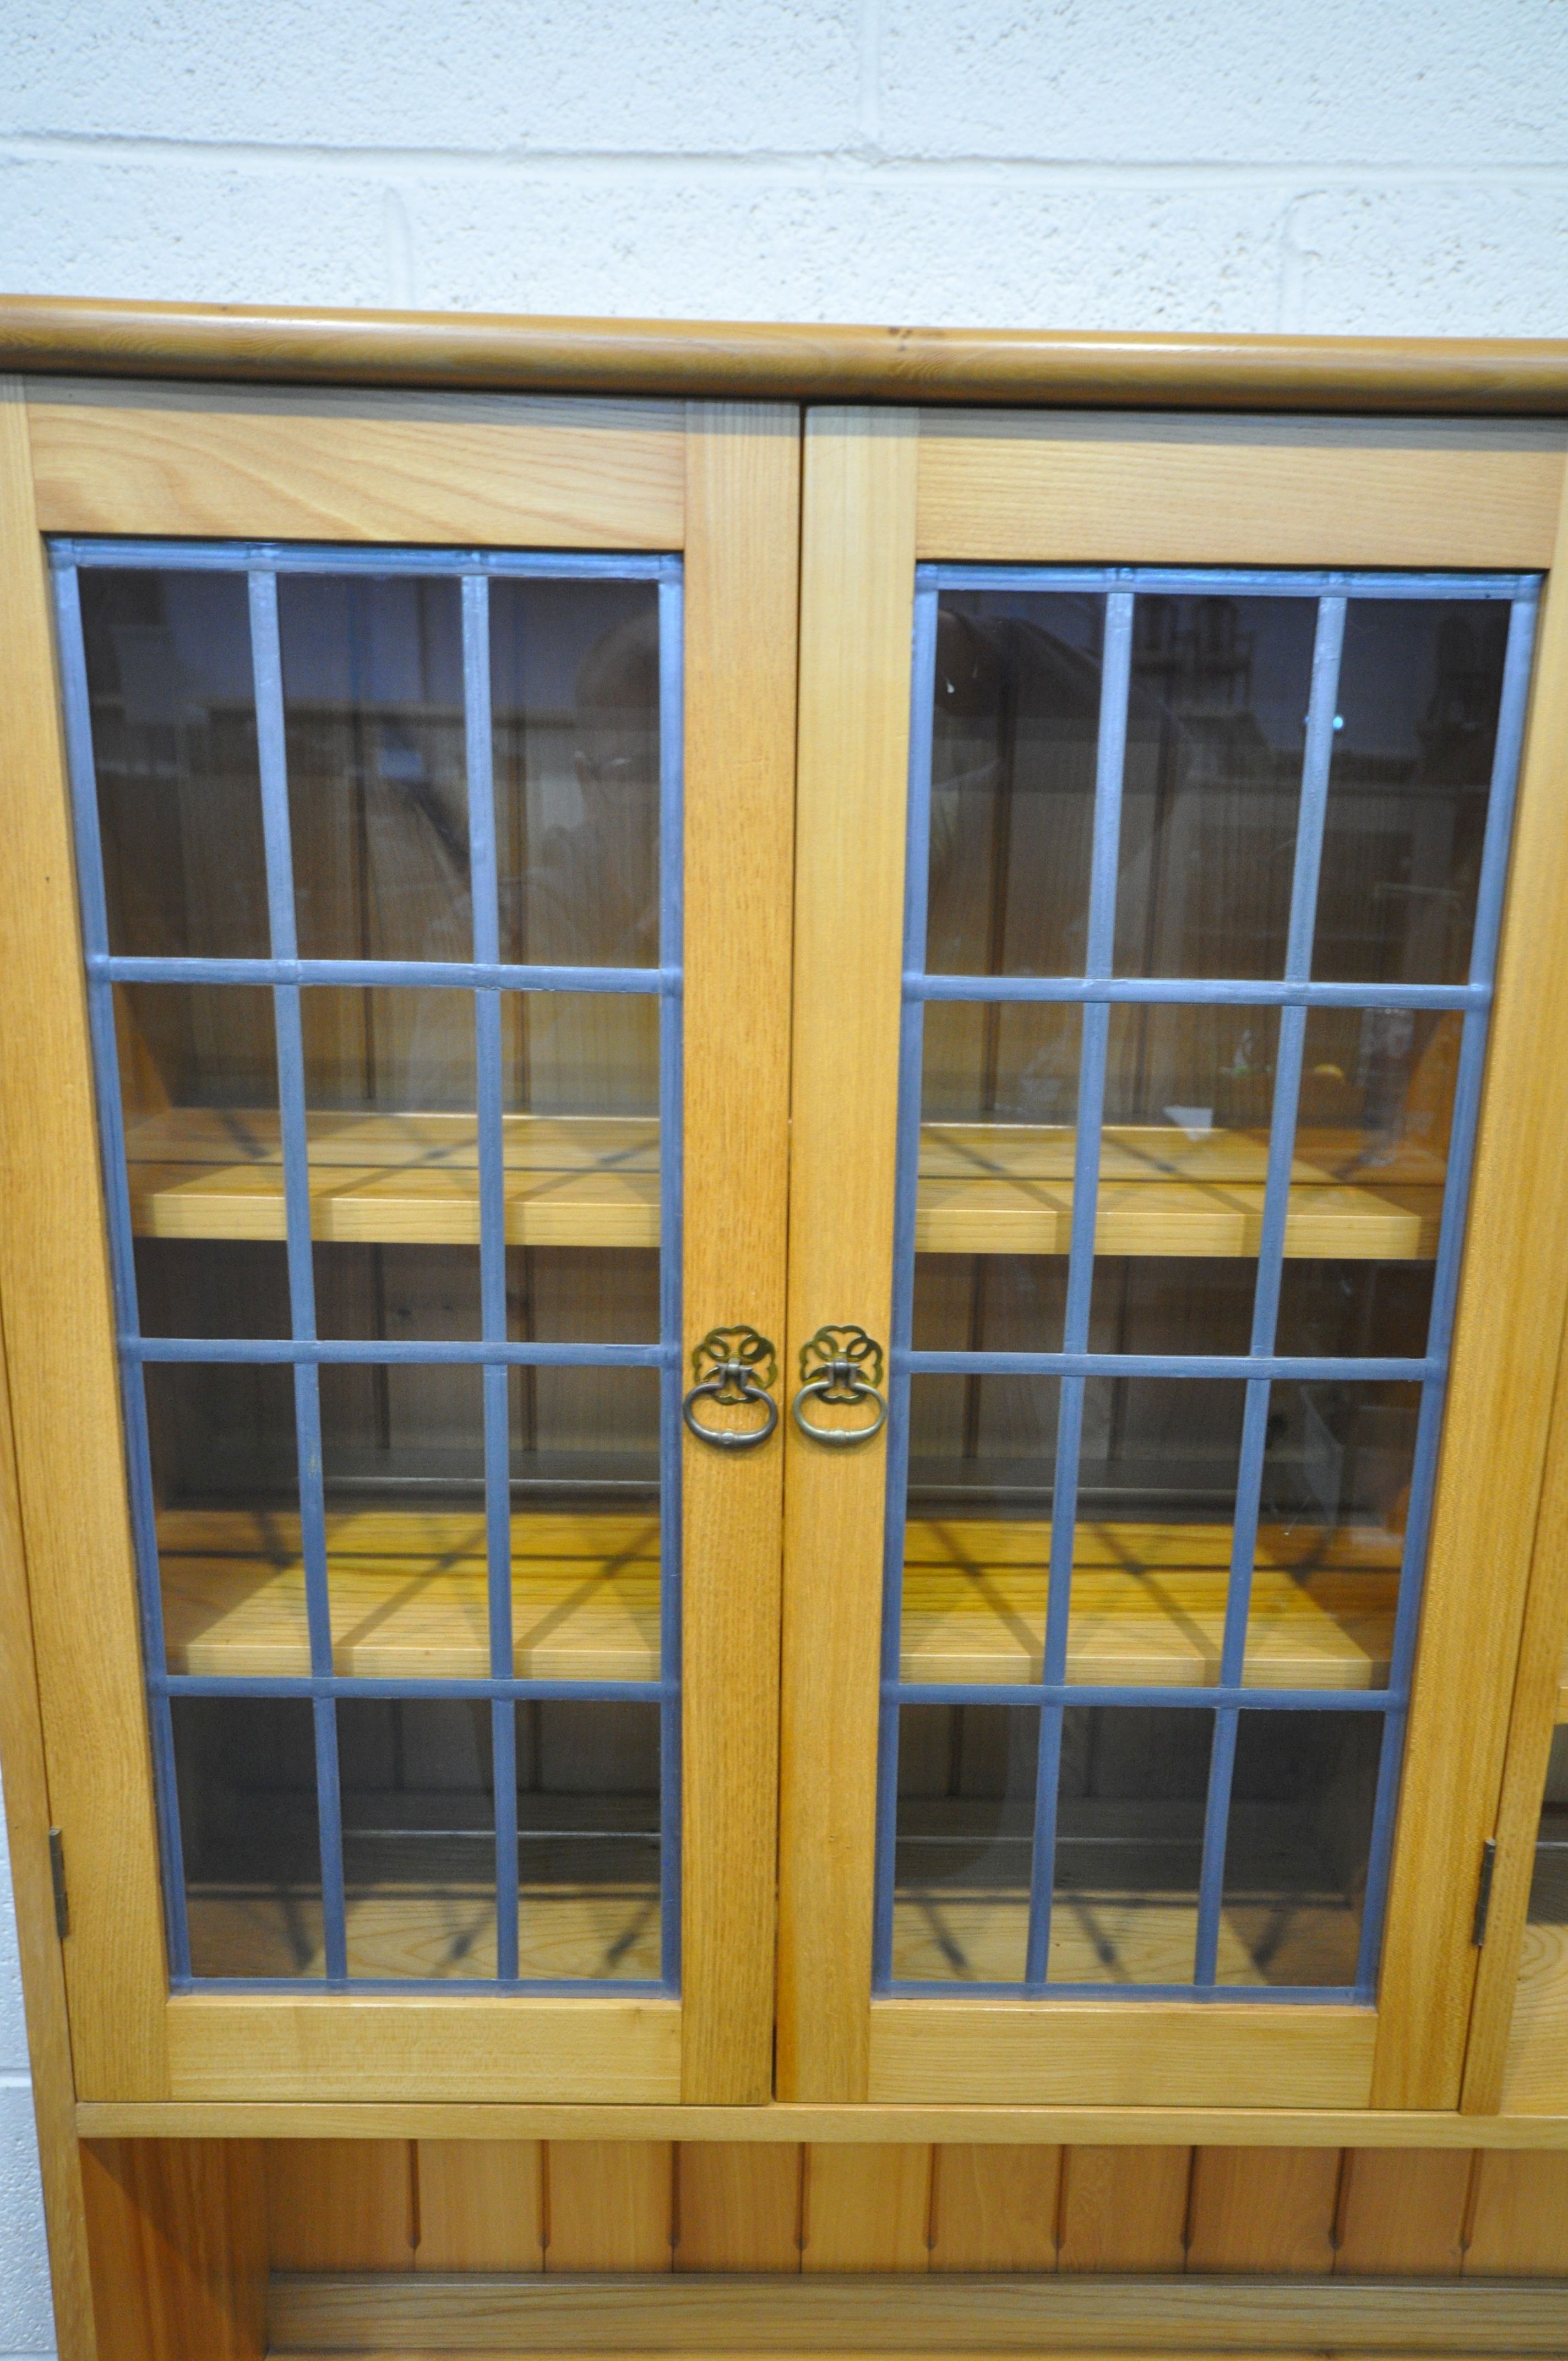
[(857, 585), (1513, 1294), (741, 606), (60, 1345)]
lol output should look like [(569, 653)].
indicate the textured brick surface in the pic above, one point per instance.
[(1312, 164)]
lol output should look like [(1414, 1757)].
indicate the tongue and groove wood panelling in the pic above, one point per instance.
[(722, 2206)]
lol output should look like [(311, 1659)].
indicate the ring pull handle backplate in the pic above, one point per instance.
[(733, 1366), (841, 1365)]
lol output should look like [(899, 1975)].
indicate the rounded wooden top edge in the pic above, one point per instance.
[(741, 360)]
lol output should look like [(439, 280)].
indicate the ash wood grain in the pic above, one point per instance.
[(1517, 2050), (27, 1822), (480, 2205), (65, 1415), (483, 471), (1520, 2215), (726, 360), (912, 2311), (467, 2046), (341, 2205), (403, 1179), (742, 545), (1506, 1348), (737, 2208), (1079, 2052), (1420, 2130), (866, 2209), (607, 2205), (1241, 491), (1123, 2209), (1402, 2212), (409, 1594), (1263, 2210), (857, 562), (178, 2236), (994, 2209), (1148, 1604)]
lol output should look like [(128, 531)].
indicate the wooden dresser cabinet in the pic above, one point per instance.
[(784, 1550)]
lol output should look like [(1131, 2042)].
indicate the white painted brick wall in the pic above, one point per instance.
[(1322, 165)]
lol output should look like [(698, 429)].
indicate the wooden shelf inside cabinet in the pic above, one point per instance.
[(1007, 1188), (1148, 1604), (408, 1596), (393, 1179)]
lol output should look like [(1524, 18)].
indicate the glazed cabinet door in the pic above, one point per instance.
[(1175, 1277), (395, 1095)]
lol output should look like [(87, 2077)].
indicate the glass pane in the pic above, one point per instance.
[(1420, 684), (173, 712), (575, 701), (199, 1097), (1183, 1168), (584, 1295), (1372, 1132), (995, 1212), (589, 1836), (392, 1095), (419, 1836), (1157, 1496), (226, 1501), (1014, 730), (1541, 2020), (1300, 1829), (377, 780), (245, 1770), (1216, 727), (1131, 1795), (1331, 1536), (965, 1832)]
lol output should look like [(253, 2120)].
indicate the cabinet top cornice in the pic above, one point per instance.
[(754, 360)]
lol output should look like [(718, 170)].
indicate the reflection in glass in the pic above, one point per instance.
[(250, 1841), (966, 1818), (1420, 685), (226, 1503), (588, 1839), (1300, 1829), (575, 699), (173, 714), (377, 777), (1216, 725), (1129, 1854), (1014, 730), (1549, 1886), (419, 1836)]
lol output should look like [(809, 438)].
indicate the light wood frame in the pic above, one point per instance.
[(880, 490), (721, 484)]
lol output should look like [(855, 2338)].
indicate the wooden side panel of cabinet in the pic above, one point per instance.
[(178, 2231)]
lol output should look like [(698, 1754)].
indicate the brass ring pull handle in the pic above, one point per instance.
[(840, 1365), (741, 1365)]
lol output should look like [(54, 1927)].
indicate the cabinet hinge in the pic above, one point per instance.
[(56, 1874), (1484, 1892)]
